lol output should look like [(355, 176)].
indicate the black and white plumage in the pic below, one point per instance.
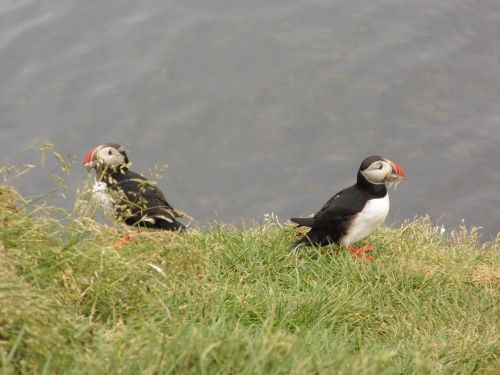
[(136, 200), (353, 213)]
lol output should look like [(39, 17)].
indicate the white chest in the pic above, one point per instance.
[(371, 216), (101, 196)]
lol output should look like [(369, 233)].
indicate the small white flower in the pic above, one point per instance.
[(441, 230)]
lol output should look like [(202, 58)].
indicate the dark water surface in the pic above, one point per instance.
[(264, 106)]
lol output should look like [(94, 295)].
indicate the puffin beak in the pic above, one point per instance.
[(397, 169), (89, 160), (397, 174)]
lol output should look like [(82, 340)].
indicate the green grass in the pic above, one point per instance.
[(228, 301)]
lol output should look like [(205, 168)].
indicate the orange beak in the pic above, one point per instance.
[(396, 175), (89, 158), (399, 170)]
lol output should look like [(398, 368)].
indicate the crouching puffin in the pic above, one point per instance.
[(353, 213), (135, 199)]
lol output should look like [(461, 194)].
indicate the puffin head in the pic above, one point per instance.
[(108, 155), (378, 170)]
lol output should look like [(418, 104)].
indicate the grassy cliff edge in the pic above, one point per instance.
[(223, 300)]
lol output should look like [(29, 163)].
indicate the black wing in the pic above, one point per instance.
[(142, 202), (330, 223), (341, 207)]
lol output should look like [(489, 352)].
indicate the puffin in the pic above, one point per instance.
[(353, 213), (136, 200)]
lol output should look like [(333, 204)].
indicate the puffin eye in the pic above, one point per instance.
[(110, 152), (380, 166)]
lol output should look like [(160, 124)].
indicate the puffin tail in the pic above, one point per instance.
[(171, 224), (303, 221)]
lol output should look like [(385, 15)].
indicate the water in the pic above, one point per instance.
[(260, 106)]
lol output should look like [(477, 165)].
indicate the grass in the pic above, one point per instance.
[(227, 301)]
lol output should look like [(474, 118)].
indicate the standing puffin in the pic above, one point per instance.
[(353, 213), (135, 199)]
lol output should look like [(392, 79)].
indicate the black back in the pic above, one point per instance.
[(138, 201)]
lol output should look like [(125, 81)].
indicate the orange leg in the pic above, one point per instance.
[(126, 238), (361, 252)]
